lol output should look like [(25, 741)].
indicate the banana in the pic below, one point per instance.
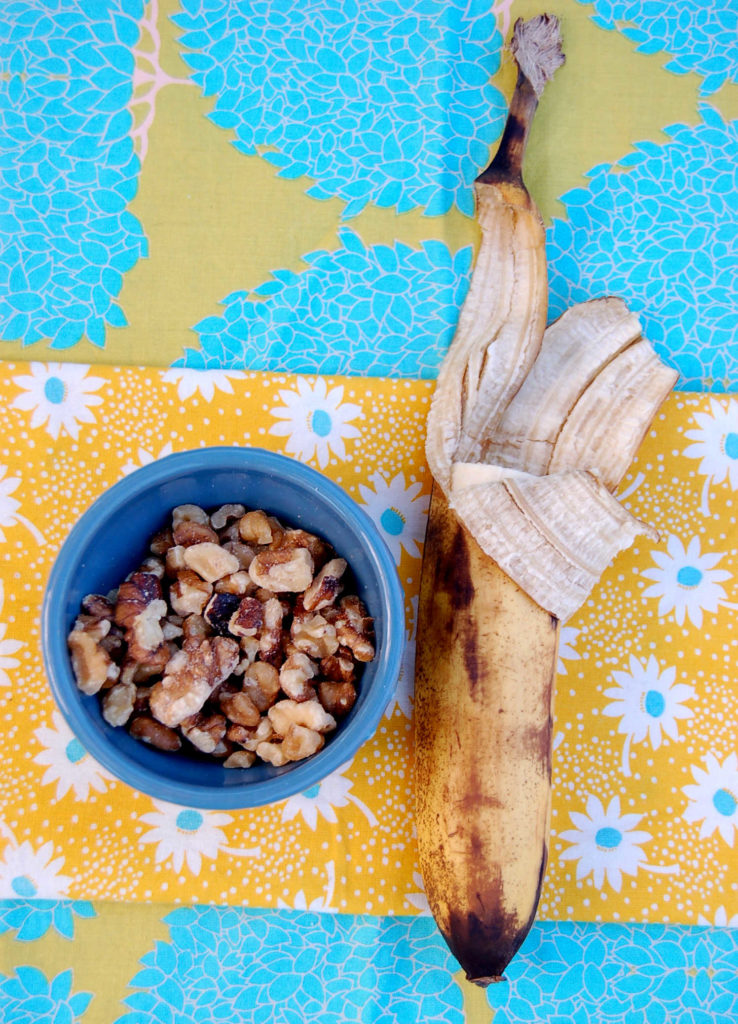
[(529, 432)]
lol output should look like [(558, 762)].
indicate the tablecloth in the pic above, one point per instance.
[(286, 188)]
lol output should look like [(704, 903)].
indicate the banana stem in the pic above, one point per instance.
[(536, 46)]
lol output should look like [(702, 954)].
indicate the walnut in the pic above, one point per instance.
[(118, 703), (171, 627), (301, 742), (189, 514), (222, 516), (261, 683), (250, 739), (190, 533), (248, 619), (240, 759), (249, 651), (140, 589), (242, 552), (98, 629), (153, 565), (149, 731), (324, 589), (255, 528), (237, 583), (339, 667), (270, 638), (295, 675), (314, 635), (337, 698), (161, 542), (145, 636), (204, 731), (98, 607), (210, 561), (194, 627), (272, 753), (92, 665), (219, 611), (189, 679), (309, 713), (175, 560), (319, 550), (354, 628), (189, 593), (283, 569), (240, 709)]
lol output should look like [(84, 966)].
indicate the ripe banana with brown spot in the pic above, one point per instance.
[(529, 432)]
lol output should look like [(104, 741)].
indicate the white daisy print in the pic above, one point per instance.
[(648, 703), (59, 397), (316, 422), (567, 651), (716, 445), (28, 873), (201, 382), (9, 514), (322, 798), (67, 762), (320, 903), (404, 694), (720, 920), (713, 799), (145, 458), (184, 835), (8, 648), (607, 845), (686, 582), (399, 511), (418, 899)]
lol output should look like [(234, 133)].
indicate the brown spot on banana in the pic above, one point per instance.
[(486, 658)]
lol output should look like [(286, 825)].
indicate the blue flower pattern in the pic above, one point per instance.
[(32, 918), (388, 102), (698, 36), (670, 250), (67, 168), (29, 997), (370, 310)]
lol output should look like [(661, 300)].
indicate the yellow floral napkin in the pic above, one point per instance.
[(646, 756)]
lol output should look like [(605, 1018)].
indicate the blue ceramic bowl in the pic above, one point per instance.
[(110, 540)]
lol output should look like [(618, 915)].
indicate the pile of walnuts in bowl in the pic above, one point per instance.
[(233, 637)]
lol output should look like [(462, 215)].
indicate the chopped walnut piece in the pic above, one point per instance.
[(98, 629), (249, 651), (204, 731), (324, 589), (237, 583), (92, 665), (240, 708), (219, 611), (189, 533), (98, 607), (301, 742), (254, 528), (189, 514), (194, 627), (337, 698), (338, 667), (189, 593), (282, 569), (189, 679), (314, 635), (222, 516), (175, 561), (240, 759), (270, 638), (248, 619), (141, 702), (309, 713), (319, 550), (242, 552), (118, 703), (250, 739), (210, 561), (149, 731), (261, 683), (354, 628), (272, 753), (295, 675), (140, 589), (145, 637), (153, 565), (161, 542), (171, 627)]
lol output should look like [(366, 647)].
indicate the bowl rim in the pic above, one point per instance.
[(303, 775)]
